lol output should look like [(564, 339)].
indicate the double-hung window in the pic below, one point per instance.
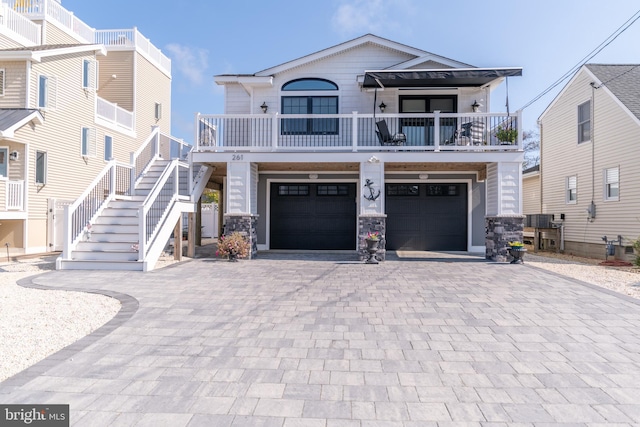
[(89, 74), (41, 167), (612, 184), (88, 142), (46, 92), (314, 96), (571, 190), (584, 122), (108, 148)]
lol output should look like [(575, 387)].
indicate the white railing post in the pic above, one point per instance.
[(354, 131), (436, 131), (519, 122), (142, 232), (66, 247), (132, 174), (275, 131), (113, 180)]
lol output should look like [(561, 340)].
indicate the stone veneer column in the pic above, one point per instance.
[(245, 224), (367, 224), (500, 230)]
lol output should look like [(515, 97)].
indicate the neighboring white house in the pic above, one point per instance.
[(306, 158), (590, 157)]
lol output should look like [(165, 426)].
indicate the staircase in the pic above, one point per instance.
[(125, 219)]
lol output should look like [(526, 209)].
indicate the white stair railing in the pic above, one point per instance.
[(112, 181)]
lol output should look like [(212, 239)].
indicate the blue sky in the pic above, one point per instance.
[(204, 38)]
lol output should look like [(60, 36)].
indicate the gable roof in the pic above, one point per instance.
[(12, 119), (623, 80), (419, 56)]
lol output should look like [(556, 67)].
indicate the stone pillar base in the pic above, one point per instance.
[(245, 224), (371, 224), (500, 231)]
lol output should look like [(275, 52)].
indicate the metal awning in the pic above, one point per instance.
[(454, 77)]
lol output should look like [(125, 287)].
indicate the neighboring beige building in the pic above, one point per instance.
[(71, 99), (531, 190), (589, 159)]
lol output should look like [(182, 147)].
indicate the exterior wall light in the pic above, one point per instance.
[(382, 106), (475, 106), (264, 107)]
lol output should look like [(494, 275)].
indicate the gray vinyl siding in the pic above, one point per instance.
[(118, 90), (614, 143), (14, 84)]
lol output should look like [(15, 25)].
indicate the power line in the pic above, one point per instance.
[(590, 55)]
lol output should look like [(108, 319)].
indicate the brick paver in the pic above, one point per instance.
[(324, 340)]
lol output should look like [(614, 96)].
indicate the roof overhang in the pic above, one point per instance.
[(36, 55), (452, 77), (12, 120)]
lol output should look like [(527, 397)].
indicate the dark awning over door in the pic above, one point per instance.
[(455, 77)]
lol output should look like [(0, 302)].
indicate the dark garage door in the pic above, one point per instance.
[(426, 217), (313, 216)]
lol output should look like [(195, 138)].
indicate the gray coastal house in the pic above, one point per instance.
[(368, 135)]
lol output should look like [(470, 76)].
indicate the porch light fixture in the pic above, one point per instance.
[(313, 176), (382, 106), (475, 106), (264, 107), (423, 176)]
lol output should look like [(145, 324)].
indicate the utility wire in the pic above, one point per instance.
[(590, 55)]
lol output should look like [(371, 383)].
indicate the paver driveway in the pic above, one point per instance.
[(322, 340)]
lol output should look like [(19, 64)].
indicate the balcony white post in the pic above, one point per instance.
[(66, 245), (354, 131), (436, 131), (275, 131), (142, 234), (519, 122), (113, 179), (132, 174)]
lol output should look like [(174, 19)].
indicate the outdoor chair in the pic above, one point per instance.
[(474, 131), (385, 137)]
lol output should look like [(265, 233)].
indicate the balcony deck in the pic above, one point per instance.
[(354, 132)]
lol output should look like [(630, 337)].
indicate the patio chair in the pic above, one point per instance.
[(472, 130), (385, 137)]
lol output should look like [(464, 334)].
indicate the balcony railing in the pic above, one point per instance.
[(14, 195), (19, 25), (133, 37), (113, 114), (355, 132)]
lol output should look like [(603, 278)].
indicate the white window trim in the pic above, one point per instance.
[(46, 167), (4, 147), (91, 142), (105, 148), (568, 187), (92, 77), (579, 123), (606, 183), (3, 73), (51, 94)]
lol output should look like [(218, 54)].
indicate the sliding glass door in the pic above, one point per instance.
[(420, 131)]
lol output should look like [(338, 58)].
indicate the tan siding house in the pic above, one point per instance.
[(50, 96), (589, 159)]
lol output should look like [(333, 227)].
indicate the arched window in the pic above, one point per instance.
[(310, 104)]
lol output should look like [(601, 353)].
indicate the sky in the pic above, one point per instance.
[(204, 38)]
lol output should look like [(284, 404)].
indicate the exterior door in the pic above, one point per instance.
[(419, 131), (313, 216), (427, 217)]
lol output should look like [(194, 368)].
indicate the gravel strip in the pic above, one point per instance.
[(36, 323)]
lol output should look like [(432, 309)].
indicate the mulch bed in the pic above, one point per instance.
[(616, 263)]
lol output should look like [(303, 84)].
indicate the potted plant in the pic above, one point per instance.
[(373, 240), (506, 134), (517, 250), (233, 246)]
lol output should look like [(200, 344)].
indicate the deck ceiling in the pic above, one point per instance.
[(221, 168)]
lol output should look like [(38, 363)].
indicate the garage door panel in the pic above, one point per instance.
[(320, 216), (426, 217)]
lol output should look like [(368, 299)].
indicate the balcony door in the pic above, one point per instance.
[(420, 131)]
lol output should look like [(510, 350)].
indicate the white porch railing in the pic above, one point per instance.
[(355, 132), (15, 195), (20, 25), (114, 114), (133, 37)]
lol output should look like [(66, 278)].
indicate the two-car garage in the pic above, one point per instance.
[(322, 216)]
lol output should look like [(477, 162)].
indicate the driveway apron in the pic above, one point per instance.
[(324, 340)]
